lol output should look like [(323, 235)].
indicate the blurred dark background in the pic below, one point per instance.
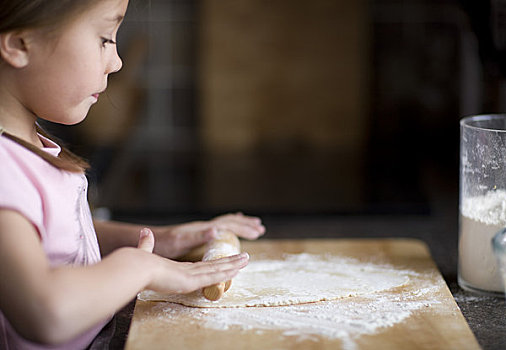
[(294, 108)]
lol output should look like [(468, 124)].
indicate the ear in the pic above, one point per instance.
[(13, 49)]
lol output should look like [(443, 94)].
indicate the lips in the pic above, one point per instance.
[(95, 96)]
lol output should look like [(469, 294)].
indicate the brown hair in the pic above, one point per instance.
[(24, 14), (50, 14), (66, 160)]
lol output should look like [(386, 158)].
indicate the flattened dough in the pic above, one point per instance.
[(296, 279)]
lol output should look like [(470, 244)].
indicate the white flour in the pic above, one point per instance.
[(489, 209), (481, 218), (345, 319), (296, 279)]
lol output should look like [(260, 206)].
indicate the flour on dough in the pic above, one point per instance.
[(295, 279)]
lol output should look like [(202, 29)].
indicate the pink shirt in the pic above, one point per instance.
[(55, 202)]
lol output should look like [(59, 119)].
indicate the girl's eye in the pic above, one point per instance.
[(108, 41)]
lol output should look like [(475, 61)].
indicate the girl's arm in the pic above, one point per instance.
[(175, 241), (54, 305)]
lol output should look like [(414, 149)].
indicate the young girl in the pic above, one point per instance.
[(55, 57)]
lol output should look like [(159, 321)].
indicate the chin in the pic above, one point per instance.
[(66, 116), (77, 117), (69, 119), (77, 121)]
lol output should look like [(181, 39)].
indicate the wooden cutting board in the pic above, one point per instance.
[(437, 325)]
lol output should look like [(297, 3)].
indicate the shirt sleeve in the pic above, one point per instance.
[(18, 188)]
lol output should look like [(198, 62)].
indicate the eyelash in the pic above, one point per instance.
[(108, 41)]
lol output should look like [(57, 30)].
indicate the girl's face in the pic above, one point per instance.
[(64, 78)]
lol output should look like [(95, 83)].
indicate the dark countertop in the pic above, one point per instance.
[(486, 316)]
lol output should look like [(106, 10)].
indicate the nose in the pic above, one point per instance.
[(115, 63)]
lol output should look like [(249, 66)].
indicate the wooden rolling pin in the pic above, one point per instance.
[(225, 244)]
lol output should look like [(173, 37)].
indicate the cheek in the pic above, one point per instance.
[(58, 97), (79, 70), (75, 83)]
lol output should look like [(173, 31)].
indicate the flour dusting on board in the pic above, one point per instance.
[(296, 279), (371, 309), (345, 320)]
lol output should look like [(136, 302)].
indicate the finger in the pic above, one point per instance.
[(241, 218), (199, 281), (258, 227), (244, 231), (212, 274), (146, 240), (230, 259), (192, 276), (252, 219), (238, 262)]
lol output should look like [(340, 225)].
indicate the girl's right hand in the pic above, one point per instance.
[(183, 277)]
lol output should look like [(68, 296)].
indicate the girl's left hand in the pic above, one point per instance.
[(175, 241)]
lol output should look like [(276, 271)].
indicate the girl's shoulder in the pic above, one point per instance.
[(11, 149), (12, 152), (24, 171), (29, 184), (19, 182), (13, 157), (16, 158)]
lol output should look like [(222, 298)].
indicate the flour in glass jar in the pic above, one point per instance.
[(481, 217)]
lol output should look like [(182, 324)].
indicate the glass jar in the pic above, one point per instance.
[(482, 207)]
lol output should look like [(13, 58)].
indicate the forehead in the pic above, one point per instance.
[(104, 15), (107, 12)]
